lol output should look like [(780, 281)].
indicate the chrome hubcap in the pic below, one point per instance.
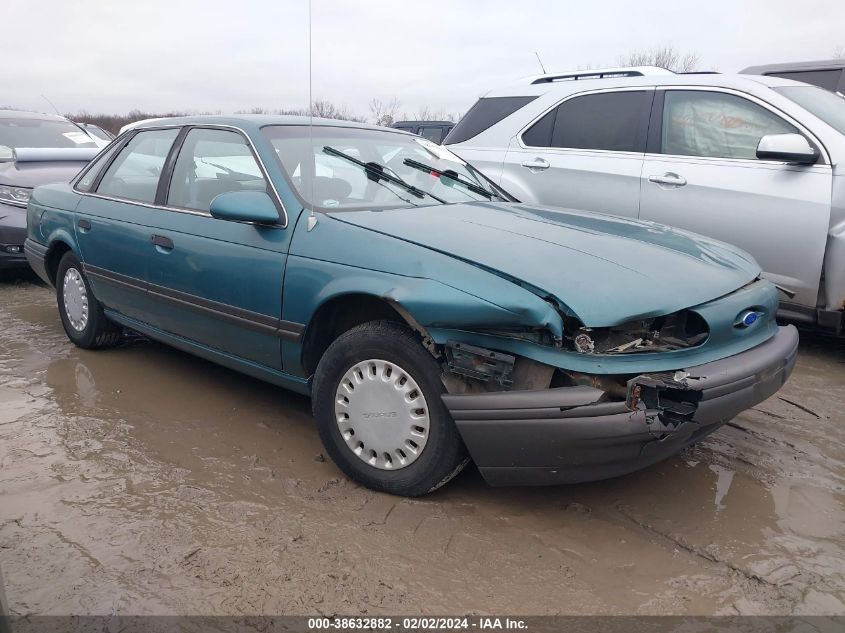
[(382, 414), (76, 299)]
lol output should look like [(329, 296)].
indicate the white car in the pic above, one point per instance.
[(756, 161)]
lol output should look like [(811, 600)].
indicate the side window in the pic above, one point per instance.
[(486, 112), (540, 134), (613, 121), (87, 181), (135, 172), (716, 124), (212, 162), (433, 134)]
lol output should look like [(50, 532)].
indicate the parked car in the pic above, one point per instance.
[(752, 160), (101, 136), (434, 131), (429, 317), (34, 149), (827, 73)]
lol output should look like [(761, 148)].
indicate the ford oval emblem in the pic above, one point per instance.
[(749, 318)]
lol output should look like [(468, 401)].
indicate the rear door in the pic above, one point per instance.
[(585, 153), (216, 282), (701, 173), (113, 216)]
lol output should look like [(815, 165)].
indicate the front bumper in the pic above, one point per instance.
[(12, 236), (36, 255), (564, 435)]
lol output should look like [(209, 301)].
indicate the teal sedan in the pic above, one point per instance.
[(431, 317)]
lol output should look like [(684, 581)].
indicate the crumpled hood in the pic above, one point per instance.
[(32, 174), (605, 269)]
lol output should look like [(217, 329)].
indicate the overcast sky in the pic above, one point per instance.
[(113, 56)]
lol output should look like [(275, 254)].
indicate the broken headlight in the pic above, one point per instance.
[(678, 330)]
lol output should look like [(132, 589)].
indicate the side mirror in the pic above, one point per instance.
[(244, 206), (789, 148)]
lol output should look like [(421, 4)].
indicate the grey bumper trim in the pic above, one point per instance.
[(565, 436)]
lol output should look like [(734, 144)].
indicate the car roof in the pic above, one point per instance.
[(821, 64), (525, 87), (258, 121), (37, 116), (424, 123)]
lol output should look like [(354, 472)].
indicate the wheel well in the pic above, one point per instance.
[(339, 315), (54, 256)]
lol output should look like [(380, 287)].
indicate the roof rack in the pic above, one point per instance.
[(600, 73)]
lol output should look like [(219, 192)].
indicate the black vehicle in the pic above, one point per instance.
[(827, 73), (434, 131)]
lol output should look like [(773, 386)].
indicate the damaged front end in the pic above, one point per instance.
[(582, 427)]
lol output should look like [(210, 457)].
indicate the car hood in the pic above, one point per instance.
[(603, 269), (32, 174)]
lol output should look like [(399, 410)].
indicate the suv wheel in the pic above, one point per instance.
[(376, 399), (81, 313)]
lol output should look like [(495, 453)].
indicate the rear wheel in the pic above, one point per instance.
[(376, 399), (82, 315)]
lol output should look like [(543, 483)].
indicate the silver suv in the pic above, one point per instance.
[(752, 160)]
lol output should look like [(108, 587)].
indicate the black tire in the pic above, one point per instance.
[(443, 455), (98, 330)]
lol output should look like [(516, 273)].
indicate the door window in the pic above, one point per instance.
[(212, 162), (612, 121), (716, 124), (135, 172)]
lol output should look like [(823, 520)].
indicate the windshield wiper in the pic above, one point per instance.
[(451, 175), (376, 172)]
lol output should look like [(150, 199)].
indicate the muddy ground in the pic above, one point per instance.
[(142, 480)]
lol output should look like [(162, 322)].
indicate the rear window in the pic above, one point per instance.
[(613, 121), (484, 114)]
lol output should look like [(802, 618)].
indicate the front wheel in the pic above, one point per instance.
[(82, 315), (376, 399)]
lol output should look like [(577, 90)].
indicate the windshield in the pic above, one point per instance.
[(16, 133), (353, 168), (828, 106)]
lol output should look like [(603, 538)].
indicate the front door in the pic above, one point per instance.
[(216, 282), (702, 174)]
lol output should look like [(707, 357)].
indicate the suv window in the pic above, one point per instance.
[(613, 121), (212, 162), (716, 124), (827, 79), (135, 172), (484, 114)]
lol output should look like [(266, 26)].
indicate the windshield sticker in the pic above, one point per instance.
[(79, 138)]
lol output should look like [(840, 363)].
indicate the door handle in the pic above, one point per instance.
[(85, 225), (673, 180), (536, 164), (162, 242)]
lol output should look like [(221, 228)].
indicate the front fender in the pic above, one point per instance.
[(433, 304)]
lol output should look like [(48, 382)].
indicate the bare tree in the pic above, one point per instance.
[(328, 110), (384, 113), (663, 56), (839, 52)]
